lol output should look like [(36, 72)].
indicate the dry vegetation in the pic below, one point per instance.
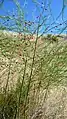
[(33, 86)]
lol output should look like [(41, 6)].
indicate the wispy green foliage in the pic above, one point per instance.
[(32, 68)]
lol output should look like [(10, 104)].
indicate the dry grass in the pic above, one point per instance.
[(45, 97)]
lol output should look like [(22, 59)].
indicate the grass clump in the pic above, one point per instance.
[(31, 73), (8, 106)]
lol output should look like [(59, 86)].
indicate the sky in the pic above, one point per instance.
[(8, 5), (33, 9)]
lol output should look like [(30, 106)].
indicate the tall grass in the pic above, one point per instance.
[(28, 79), (33, 73)]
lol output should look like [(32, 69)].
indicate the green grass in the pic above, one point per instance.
[(29, 77)]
